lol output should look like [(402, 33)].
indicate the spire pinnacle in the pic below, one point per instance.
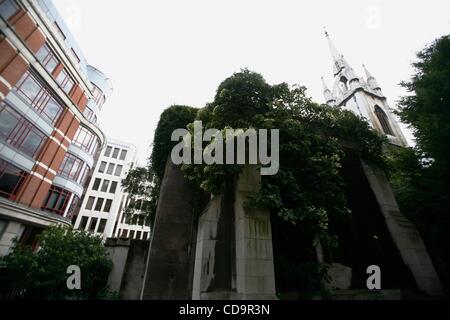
[(324, 85), (329, 98), (334, 53), (368, 75), (371, 81)]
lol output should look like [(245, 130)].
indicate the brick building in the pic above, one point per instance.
[(49, 102)]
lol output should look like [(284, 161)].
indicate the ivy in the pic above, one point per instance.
[(308, 187)]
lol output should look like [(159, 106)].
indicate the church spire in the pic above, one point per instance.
[(371, 81), (336, 56), (340, 65), (329, 98)]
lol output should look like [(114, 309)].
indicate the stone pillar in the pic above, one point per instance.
[(255, 275), (167, 273), (13, 231), (404, 233), (234, 258), (210, 282), (118, 253)]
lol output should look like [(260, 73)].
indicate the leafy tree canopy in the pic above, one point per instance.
[(421, 176), (42, 275), (427, 109), (308, 187)]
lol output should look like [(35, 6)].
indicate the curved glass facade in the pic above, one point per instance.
[(86, 140)]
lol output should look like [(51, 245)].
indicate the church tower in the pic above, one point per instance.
[(361, 96)]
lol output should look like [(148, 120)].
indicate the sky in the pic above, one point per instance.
[(163, 52)]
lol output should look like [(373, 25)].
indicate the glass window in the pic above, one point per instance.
[(47, 58), (74, 55), (93, 224), (113, 187), (110, 168), (115, 153), (145, 236), (19, 133), (86, 140), (65, 81), (118, 170), (73, 206), (98, 205), (56, 200), (59, 31), (71, 167), (102, 167), (107, 207), (83, 223), (34, 93), (123, 154), (90, 203), (88, 113), (105, 185), (11, 178), (96, 184), (84, 174), (108, 151), (98, 95), (101, 225), (138, 235), (381, 115), (131, 234), (8, 8)]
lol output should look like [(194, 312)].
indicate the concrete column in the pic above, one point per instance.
[(404, 233), (118, 253), (207, 256), (234, 256), (12, 231), (168, 266), (255, 275)]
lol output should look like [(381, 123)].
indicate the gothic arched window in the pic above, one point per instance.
[(343, 84), (383, 119)]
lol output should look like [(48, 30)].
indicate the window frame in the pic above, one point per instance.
[(60, 192), (6, 167), (49, 56), (21, 132), (40, 101), (71, 174)]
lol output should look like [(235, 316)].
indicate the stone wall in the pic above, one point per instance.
[(168, 273), (250, 256), (404, 233), (128, 258)]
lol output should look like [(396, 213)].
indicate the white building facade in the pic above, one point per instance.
[(102, 208), (361, 96)]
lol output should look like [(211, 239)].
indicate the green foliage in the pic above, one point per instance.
[(42, 275), (420, 177), (427, 110), (172, 118), (143, 194), (308, 188)]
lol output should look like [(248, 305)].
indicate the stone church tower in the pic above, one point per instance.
[(361, 96)]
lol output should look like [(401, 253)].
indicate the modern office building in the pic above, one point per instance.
[(103, 207), (50, 99)]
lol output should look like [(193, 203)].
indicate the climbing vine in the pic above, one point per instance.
[(307, 193), (308, 187)]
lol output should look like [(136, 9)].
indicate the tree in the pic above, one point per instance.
[(43, 275), (142, 194), (421, 176), (427, 109)]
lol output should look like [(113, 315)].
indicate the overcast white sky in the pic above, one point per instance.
[(164, 52)]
